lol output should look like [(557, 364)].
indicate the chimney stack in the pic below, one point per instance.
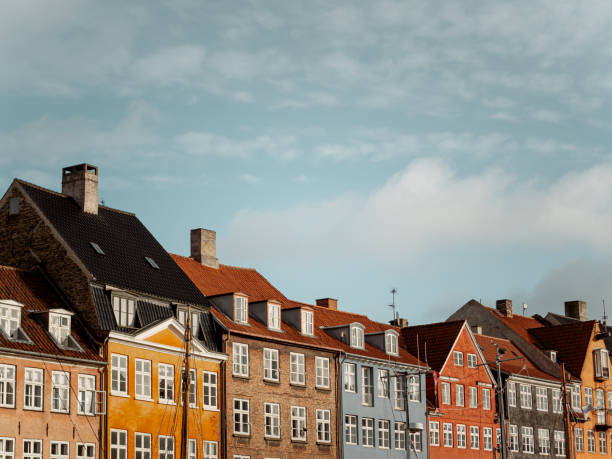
[(204, 247), (505, 307), (400, 322), (329, 303), (576, 310), (81, 183)]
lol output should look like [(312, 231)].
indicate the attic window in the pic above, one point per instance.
[(14, 205), (97, 248), (151, 261), (356, 336), (59, 327), (391, 346), (124, 311), (10, 318), (307, 323), (241, 311), (552, 355), (602, 364), (274, 314)]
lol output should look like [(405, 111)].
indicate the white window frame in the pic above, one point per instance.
[(434, 433), (474, 437), (323, 426), (367, 386), (60, 392), (119, 375), (33, 389), (124, 310), (367, 432), (241, 309), (541, 399), (34, 449), (447, 435), (271, 420), (165, 383), (544, 442), (445, 389), (10, 319), (601, 361), (473, 397), (240, 359), (382, 387), (603, 442), (591, 442), (242, 416), (579, 439), (271, 364), (472, 361), (307, 322), (399, 393), (459, 395), (64, 450), (85, 450), (5, 451), (416, 441), (461, 436), (274, 316), (192, 448), (391, 343), (357, 339), (526, 396), (557, 401), (59, 327), (527, 440), (298, 423), (297, 369), (399, 435), (322, 372), (414, 388), (86, 395), (350, 429), (349, 371), (209, 390), (487, 438), (141, 449), (7, 386), (511, 394), (120, 445), (458, 358), (142, 379), (559, 437), (384, 435), (211, 449), (166, 447), (588, 396), (486, 399)]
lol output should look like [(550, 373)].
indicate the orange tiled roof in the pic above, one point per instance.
[(518, 323), (436, 340)]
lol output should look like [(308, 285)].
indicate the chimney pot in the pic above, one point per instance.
[(329, 303), (81, 183), (505, 307), (204, 247), (576, 310)]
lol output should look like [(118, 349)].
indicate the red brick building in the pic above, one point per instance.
[(460, 392)]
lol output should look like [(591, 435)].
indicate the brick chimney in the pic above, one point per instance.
[(505, 307), (329, 303), (204, 247), (576, 310), (400, 322), (81, 183)]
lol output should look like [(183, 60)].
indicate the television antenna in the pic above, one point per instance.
[(392, 305)]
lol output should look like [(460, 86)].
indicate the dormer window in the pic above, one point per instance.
[(181, 316), (124, 310), (241, 309), (391, 344), (10, 318), (602, 363), (274, 313), (59, 327), (307, 322), (356, 336), (552, 355)]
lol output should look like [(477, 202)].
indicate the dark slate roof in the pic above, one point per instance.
[(212, 331), (148, 312), (432, 340), (125, 241)]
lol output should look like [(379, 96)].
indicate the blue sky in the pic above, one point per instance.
[(453, 150)]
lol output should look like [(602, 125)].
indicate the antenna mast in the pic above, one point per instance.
[(605, 317), (392, 305)]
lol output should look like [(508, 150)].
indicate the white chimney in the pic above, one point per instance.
[(81, 183)]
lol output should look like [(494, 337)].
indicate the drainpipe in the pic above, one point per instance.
[(339, 415)]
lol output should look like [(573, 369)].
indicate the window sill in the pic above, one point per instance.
[(323, 388), (85, 414), (119, 394), (25, 408), (241, 435), (210, 408), (245, 378), (298, 385), (299, 441), (8, 406), (60, 412), (268, 438), (143, 399), (271, 381), (324, 443), (166, 402)]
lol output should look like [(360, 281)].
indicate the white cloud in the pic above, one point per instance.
[(548, 146), (249, 178), (503, 116), (548, 116)]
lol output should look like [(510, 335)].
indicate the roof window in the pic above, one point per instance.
[(151, 261), (391, 342), (14, 205), (307, 323), (97, 248), (10, 319), (60, 329), (241, 309), (124, 310), (356, 336)]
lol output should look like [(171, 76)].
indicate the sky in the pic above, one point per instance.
[(450, 150)]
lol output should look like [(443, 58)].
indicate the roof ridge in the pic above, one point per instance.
[(446, 322), (14, 268), (221, 264)]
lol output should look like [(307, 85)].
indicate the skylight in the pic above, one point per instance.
[(152, 262), (97, 248)]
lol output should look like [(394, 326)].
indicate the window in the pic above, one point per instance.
[(600, 402), (602, 363), (416, 443), (298, 423), (383, 434), (272, 420), (434, 433), (192, 449), (511, 389), (59, 327), (240, 355), (152, 263), (14, 204), (350, 429), (472, 361), (367, 432), (447, 432), (241, 417), (307, 323), (391, 346), (446, 393), (559, 443), (356, 336), (7, 386), (209, 390), (166, 383), (526, 396), (514, 442), (486, 399), (142, 446), (10, 319), (270, 364), (322, 366), (461, 436), (298, 369), (590, 441), (588, 396), (118, 444), (527, 439), (84, 451), (473, 397), (87, 395), (543, 442), (241, 309), (59, 450), (610, 401), (552, 355), (579, 436), (399, 393), (541, 399), (414, 388), (557, 403), (7, 448), (383, 383), (33, 390), (124, 311), (60, 391), (487, 438), (119, 374), (576, 402), (349, 377), (458, 358), (211, 450), (166, 447), (32, 449), (143, 379), (367, 389), (399, 435), (274, 316), (192, 387), (603, 444), (323, 426), (459, 395), (474, 437)]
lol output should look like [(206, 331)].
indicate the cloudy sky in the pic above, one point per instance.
[(452, 150)]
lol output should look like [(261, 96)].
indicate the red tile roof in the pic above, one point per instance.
[(523, 367), (36, 295), (436, 340), (518, 323)]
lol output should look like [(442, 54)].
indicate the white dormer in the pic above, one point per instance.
[(241, 309), (307, 322), (274, 316), (10, 317), (59, 325), (391, 342), (356, 335), (181, 316)]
